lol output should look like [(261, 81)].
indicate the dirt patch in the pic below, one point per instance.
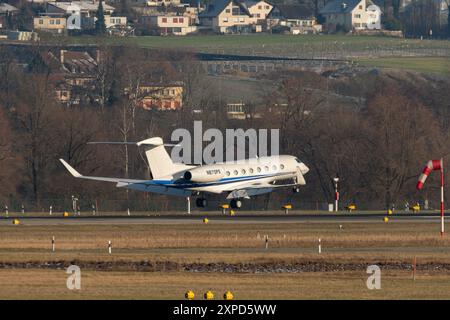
[(167, 266)]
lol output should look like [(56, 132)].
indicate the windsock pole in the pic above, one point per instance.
[(434, 165)]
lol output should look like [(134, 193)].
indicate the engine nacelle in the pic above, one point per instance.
[(204, 175)]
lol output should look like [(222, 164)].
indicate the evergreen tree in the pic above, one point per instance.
[(448, 19), (100, 26), (9, 21), (396, 8)]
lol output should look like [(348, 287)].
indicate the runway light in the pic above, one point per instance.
[(224, 207), (415, 208), (208, 295), (190, 295), (228, 295), (65, 214), (286, 207), (205, 220), (386, 219), (16, 222)]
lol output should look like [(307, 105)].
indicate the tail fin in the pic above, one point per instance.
[(158, 159)]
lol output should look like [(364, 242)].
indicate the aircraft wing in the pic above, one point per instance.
[(255, 188), (141, 185), (76, 174)]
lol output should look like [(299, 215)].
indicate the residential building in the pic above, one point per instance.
[(73, 74), (347, 15), (115, 21), (299, 19), (131, 3), (227, 16), (79, 15), (259, 10), (157, 3), (86, 8), (161, 96), (7, 13), (164, 24), (50, 23), (236, 111)]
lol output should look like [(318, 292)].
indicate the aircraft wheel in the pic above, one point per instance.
[(236, 204), (296, 189), (201, 202)]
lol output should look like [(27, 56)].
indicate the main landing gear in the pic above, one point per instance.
[(203, 203)]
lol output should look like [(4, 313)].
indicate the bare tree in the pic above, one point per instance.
[(34, 115)]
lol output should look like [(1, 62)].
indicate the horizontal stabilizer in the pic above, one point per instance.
[(112, 142), (147, 142)]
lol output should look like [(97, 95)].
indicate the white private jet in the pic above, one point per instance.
[(240, 179)]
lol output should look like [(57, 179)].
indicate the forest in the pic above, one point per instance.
[(376, 130)]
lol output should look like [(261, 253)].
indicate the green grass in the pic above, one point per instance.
[(424, 56), (436, 65), (291, 45)]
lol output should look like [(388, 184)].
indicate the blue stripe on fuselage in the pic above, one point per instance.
[(172, 183)]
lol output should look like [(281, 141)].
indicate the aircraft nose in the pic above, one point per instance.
[(303, 168)]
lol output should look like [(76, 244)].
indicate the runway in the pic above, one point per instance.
[(214, 218)]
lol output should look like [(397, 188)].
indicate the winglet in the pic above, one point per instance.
[(72, 171), (156, 141)]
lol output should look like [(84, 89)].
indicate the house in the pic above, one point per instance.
[(164, 24), (347, 15), (157, 3), (79, 15), (299, 19), (50, 23), (259, 10), (227, 16), (73, 73), (236, 111), (86, 8), (7, 13), (115, 21), (161, 96)]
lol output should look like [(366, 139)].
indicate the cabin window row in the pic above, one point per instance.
[(252, 170)]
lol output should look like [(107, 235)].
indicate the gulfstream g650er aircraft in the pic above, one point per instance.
[(239, 179)]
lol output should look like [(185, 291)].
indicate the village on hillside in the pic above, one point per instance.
[(28, 20)]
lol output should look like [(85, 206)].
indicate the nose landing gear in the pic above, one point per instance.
[(201, 202), (235, 204)]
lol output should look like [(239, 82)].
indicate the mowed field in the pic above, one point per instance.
[(434, 65), (162, 261), (294, 46), (423, 56)]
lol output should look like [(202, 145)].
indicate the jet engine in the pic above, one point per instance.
[(204, 175)]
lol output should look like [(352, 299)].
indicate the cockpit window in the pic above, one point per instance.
[(296, 159)]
